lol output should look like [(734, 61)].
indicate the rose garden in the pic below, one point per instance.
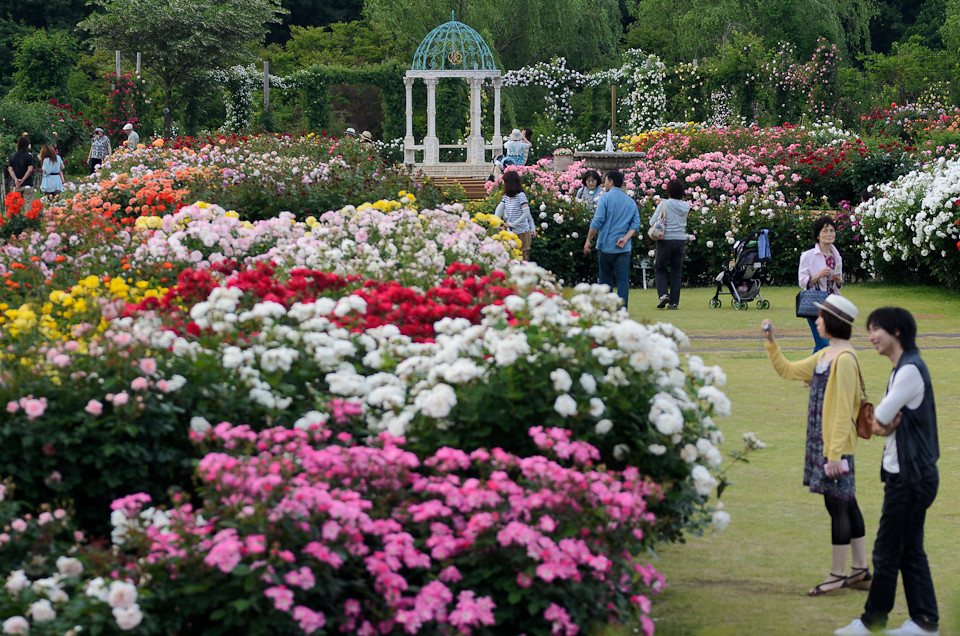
[(274, 383)]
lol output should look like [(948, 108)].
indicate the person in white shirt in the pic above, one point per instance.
[(907, 417), (132, 137)]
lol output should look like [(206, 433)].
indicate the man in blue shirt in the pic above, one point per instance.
[(616, 220)]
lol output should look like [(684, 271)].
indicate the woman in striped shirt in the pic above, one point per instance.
[(517, 211)]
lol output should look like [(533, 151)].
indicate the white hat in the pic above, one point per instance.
[(516, 135), (350, 131), (366, 135), (839, 307), (128, 127)]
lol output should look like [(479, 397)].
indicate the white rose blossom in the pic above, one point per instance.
[(436, 402), (565, 405)]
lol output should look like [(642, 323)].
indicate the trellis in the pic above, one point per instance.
[(314, 84)]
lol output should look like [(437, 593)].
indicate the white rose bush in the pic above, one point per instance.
[(911, 226), (369, 420)]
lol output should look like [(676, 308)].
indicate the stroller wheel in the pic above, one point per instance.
[(759, 304), (714, 303), (766, 304), (735, 304)]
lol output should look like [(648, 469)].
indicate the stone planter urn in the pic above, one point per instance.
[(562, 162)]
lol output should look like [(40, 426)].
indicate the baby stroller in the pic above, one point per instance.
[(742, 277)]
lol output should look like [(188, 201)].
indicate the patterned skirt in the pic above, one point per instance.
[(844, 486)]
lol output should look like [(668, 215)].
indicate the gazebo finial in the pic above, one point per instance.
[(453, 15)]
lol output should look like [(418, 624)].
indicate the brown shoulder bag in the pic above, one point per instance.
[(865, 415)]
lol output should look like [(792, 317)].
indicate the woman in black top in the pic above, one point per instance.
[(20, 166)]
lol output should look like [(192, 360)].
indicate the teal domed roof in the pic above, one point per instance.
[(453, 46)]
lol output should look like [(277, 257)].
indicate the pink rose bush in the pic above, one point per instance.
[(374, 540)]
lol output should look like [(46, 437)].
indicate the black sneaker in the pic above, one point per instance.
[(663, 301), (673, 307)]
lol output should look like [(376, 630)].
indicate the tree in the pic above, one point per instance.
[(43, 62), (519, 33), (314, 13), (45, 14), (179, 39), (688, 29)]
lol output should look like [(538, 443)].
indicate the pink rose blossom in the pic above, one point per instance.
[(309, 620), (282, 597), (34, 408)]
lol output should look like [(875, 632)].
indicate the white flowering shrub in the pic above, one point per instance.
[(534, 358), (910, 226), (240, 82), (559, 81), (644, 75)]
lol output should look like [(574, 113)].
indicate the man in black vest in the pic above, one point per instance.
[(907, 418)]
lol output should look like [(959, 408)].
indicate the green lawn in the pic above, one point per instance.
[(752, 578)]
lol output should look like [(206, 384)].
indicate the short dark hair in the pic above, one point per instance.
[(528, 134), (676, 188), (511, 183), (836, 327), (821, 223), (616, 176), (591, 173), (23, 143), (898, 322)]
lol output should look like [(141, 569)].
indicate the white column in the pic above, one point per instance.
[(431, 145), (475, 140), (497, 136), (409, 156)]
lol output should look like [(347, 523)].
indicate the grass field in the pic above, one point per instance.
[(753, 577)]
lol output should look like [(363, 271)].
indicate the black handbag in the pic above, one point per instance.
[(805, 302)]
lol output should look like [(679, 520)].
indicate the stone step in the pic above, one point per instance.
[(457, 170), (473, 188)]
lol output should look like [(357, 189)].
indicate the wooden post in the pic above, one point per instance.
[(138, 64), (117, 73), (266, 86), (613, 109)]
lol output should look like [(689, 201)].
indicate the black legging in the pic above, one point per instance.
[(846, 521)]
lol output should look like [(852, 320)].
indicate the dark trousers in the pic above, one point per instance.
[(899, 548), (669, 254), (615, 264)]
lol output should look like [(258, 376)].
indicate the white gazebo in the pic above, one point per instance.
[(453, 50)]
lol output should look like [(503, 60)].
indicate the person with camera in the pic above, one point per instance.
[(828, 470), (821, 268)]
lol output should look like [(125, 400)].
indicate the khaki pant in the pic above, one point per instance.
[(525, 238)]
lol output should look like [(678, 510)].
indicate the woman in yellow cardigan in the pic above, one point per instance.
[(834, 377)]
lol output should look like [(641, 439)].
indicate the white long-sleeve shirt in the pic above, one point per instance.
[(904, 389)]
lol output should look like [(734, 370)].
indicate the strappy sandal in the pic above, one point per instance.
[(820, 590), (862, 576)]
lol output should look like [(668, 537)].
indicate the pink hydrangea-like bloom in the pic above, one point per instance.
[(12, 407), (19, 525), (120, 398), (139, 384)]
